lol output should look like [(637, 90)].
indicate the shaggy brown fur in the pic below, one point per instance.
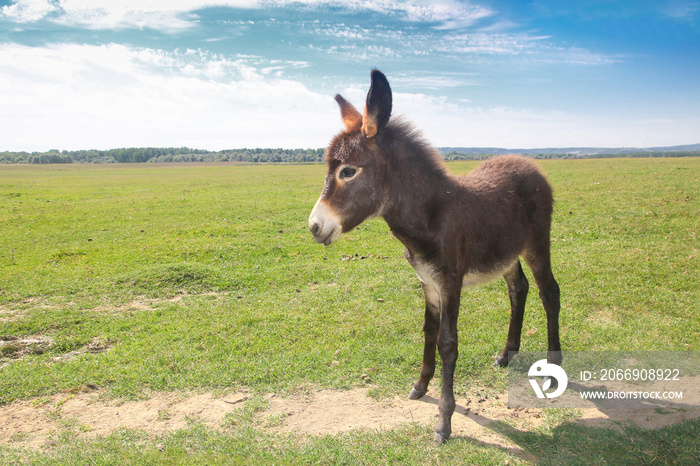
[(457, 230)]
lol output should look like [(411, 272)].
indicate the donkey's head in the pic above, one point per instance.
[(354, 190)]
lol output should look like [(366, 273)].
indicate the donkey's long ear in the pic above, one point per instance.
[(352, 119), (378, 106)]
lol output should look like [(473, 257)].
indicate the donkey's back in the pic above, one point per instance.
[(503, 210), (513, 177)]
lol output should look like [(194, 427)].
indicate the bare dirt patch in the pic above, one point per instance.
[(9, 314), (17, 311), (143, 304), (14, 347), (38, 422), (332, 412)]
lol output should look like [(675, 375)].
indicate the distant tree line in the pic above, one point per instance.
[(641, 154), (167, 154), (185, 154)]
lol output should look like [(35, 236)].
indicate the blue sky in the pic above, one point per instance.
[(80, 74)]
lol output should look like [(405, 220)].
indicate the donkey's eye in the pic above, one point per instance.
[(347, 172)]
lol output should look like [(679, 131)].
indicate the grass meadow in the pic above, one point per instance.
[(260, 306)]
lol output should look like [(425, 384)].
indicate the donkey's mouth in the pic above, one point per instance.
[(324, 224), (327, 237)]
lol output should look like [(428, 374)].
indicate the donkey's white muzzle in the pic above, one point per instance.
[(324, 224)]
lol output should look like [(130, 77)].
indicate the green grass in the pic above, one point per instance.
[(260, 305)]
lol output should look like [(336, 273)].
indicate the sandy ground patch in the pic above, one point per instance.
[(38, 422)]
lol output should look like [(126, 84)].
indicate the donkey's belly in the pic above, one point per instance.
[(427, 274), (481, 278)]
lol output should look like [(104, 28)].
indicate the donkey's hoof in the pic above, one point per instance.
[(501, 361), (441, 438), (416, 394)]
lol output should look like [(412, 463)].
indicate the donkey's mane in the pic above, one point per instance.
[(402, 140)]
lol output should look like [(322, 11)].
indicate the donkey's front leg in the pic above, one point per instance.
[(447, 346), (430, 331)]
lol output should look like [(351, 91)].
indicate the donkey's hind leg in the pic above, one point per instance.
[(549, 294), (517, 292), (431, 328)]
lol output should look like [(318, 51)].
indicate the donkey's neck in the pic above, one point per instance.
[(420, 191)]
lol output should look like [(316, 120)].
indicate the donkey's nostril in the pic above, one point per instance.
[(315, 229)]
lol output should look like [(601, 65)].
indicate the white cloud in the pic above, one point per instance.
[(490, 43), (69, 96), (435, 81), (580, 57), (28, 11), (451, 14), (445, 14), (80, 96), (108, 14), (362, 44), (357, 43), (680, 9), (456, 123), (174, 15)]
